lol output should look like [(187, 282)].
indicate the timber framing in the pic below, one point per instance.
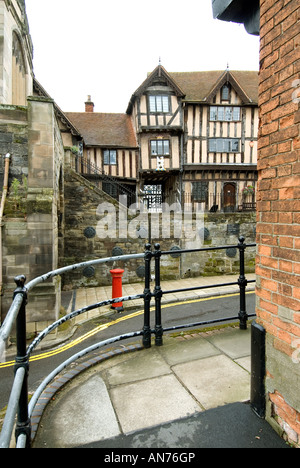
[(183, 135)]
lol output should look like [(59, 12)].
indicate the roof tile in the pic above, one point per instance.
[(106, 130), (198, 85)]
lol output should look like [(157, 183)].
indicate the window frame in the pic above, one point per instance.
[(112, 153), (159, 108), (223, 141), (110, 189), (225, 92), (200, 191), (163, 153), (153, 196), (218, 111)]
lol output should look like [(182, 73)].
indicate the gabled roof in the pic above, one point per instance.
[(106, 130), (158, 76), (202, 86)]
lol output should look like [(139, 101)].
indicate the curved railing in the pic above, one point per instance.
[(18, 402)]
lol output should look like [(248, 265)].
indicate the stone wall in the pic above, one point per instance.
[(81, 242), (221, 229), (32, 211), (96, 226), (14, 140), (16, 53)]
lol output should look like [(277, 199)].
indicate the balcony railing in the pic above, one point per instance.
[(18, 402), (215, 203)]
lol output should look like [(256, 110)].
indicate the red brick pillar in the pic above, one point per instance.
[(278, 205)]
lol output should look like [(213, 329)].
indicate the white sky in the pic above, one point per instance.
[(105, 48)]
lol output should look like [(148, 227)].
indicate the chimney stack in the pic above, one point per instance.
[(89, 105)]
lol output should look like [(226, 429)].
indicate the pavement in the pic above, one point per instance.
[(192, 392)]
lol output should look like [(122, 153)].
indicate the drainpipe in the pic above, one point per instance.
[(4, 194)]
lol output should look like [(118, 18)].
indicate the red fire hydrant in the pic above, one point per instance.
[(117, 276)]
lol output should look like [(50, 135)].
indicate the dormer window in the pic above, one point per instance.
[(159, 104), (225, 93)]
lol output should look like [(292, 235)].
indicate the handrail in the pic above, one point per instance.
[(17, 312), (67, 269), (8, 424), (207, 249), (72, 359), (10, 319), (74, 314)]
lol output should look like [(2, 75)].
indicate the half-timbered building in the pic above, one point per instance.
[(109, 154), (221, 129), (197, 134), (187, 138)]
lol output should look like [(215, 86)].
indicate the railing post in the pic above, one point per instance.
[(242, 281), (258, 369), (147, 299), (23, 425), (158, 296)]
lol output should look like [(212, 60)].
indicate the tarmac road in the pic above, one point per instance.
[(175, 314)]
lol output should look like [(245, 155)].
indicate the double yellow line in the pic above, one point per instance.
[(73, 343), (100, 328)]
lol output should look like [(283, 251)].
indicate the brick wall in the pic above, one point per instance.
[(278, 228)]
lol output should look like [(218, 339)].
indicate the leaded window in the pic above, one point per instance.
[(224, 145), (159, 104), (200, 191), (160, 147), (225, 113), (225, 93), (110, 157)]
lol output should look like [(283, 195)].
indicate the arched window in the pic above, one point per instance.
[(19, 96)]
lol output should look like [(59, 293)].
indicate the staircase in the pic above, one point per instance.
[(110, 185)]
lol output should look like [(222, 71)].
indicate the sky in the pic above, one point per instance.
[(106, 48)]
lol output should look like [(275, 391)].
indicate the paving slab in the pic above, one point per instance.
[(80, 415), (191, 392), (151, 402), (132, 370), (176, 352), (245, 363), (233, 342), (215, 381), (231, 426)]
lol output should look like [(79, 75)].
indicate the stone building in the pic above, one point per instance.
[(31, 139), (278, 200), (16, 54)]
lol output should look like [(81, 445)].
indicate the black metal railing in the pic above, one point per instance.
[(18, 402), (215, 203), (113, 186)]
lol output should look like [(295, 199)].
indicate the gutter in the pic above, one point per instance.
[(4, 195)]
